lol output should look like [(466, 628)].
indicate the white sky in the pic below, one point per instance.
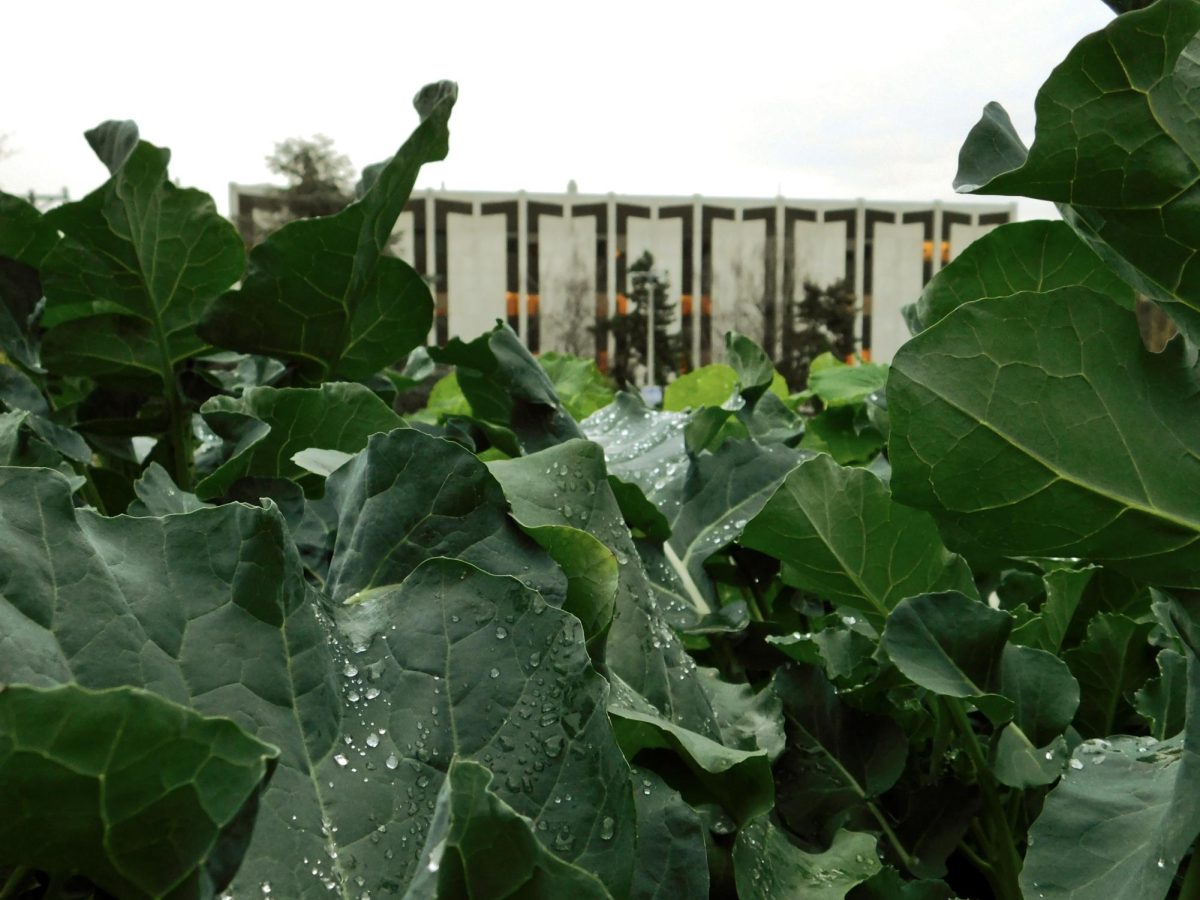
[(858, 98)]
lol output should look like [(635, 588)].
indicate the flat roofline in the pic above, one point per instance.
[(663, 199)]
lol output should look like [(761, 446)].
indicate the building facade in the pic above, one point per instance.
[(555, 266)]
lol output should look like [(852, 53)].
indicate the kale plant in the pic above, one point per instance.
[(917, 632)]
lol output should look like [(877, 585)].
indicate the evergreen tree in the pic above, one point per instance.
[(630, 357), (319, 178), (822, 322)]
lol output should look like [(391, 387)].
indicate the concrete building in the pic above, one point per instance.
[(553, 265)]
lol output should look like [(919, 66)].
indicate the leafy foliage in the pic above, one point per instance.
[(916, 632)]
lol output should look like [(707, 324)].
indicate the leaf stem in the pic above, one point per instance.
[(89, 490), (180, 434), (976, 860), (750, 590), (1006, 863), (685, 577), (14, 882), (853, 784), (891, 835), (732, 668), (1190, 890)]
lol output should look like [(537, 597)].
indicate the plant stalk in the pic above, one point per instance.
[(976, 860), (1006, 863), (89, 490), (180, 436), (892, 837), (14, 882), (875, 811), (1190, 890)]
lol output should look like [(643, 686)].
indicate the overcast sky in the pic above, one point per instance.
[(860, 98)]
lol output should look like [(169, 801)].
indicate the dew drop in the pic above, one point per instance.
[(495, 673), (340, 759), (372, 740), (351, 670), (501, 632), (564, 840), (391, 762)]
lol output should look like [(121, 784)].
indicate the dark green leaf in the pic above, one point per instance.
[(1162, 702), (1044, 693), (479, 846), (1031, 750), (843, 538), (842, 433), (513, 688), (952, 645), (748, 717), (592, 577), (505, 386), (25, 239), (1130, 197), (409, 497), (139, 262), (642, 516), (209, 609), (1110, 664), (720, 494), (22, 445), (838, 757), (142, 796), (322, 294), (739, 778), (236, 373), (750, 363), (1106, 468), (1124, 6), (932, 820), (841, 650), (1064, 589), (567, 485), (671, 856), (1118, 824), (267, 426), (113, 142), (770, 421), (17, 391), (158, 495), (888, 885), (1039, 256), (769, 867), (642, 446), (704, 426)]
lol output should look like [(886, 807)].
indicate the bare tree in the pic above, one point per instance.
[(571, 328), (749, 310)]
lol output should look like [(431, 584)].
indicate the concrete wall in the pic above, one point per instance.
[(553, 265)]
